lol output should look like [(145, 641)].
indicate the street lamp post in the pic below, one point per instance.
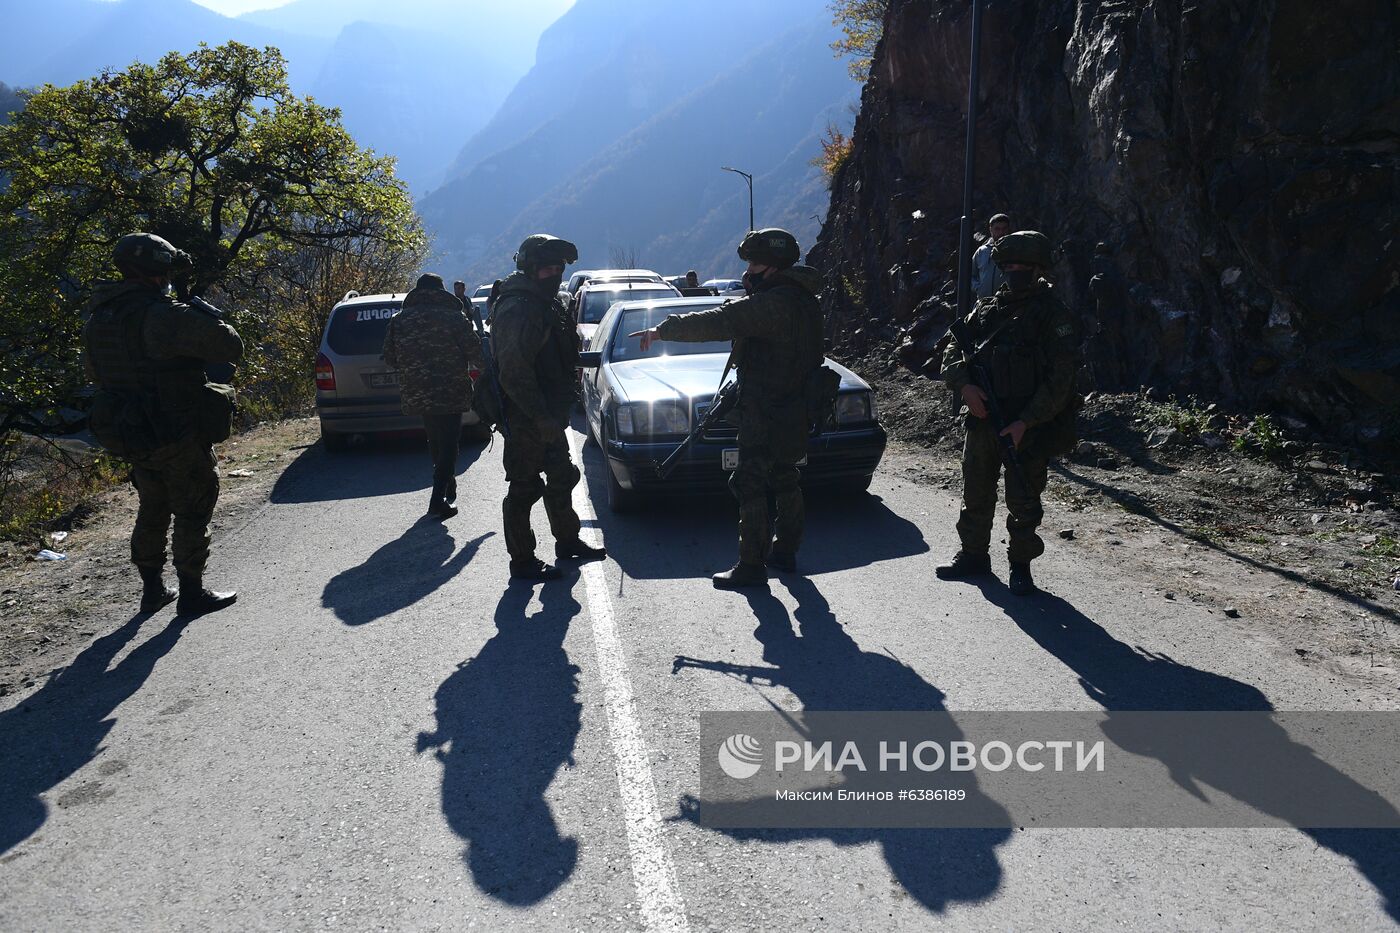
[(748, 178), (969, 163)]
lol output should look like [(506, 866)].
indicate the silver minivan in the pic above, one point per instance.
[(356, 391)]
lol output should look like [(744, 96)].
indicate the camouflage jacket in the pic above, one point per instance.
[(1032, 356), (777, 333), (534, 340), (434, 348)]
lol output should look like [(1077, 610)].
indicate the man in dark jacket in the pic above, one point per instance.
[(147, 353), (777, 334), (536, 349), (434, 348), (1026, 340)]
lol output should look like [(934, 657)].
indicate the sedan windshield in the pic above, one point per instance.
[(630, 348), (596, 303)]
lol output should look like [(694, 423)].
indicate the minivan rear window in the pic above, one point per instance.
[(358, 330)]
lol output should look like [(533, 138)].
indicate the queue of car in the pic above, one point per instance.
[(637, 405)]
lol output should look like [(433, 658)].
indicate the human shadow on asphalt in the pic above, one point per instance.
[(507, 720), (381, 467), (1122, 677), (49, 737), (399, 574), (696, 535), (826, 670)]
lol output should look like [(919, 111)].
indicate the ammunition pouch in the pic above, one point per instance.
[(214, 414), (1057, 437)]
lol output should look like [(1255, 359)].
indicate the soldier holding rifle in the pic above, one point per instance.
[(1012, 361)]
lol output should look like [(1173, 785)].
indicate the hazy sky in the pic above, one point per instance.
[(236, 7)]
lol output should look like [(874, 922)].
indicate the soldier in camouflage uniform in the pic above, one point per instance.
[(1027, 340), (434, 347), (777, 334), (147, 353), (536, 349)]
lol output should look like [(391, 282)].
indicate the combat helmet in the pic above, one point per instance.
[(148, 254), (541, 249), (1023, 246), (771, 246)]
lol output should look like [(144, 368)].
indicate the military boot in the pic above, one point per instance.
[(741, 575), (1021, 583), (965, 565), (195, 600), (533, 568), (154, 592), (450, 492), (784, 561), (578, 550), (438, 506)]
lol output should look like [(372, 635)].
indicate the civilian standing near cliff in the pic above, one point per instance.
[(1027, 343), (535, 343), (986, 276), (433, 347)]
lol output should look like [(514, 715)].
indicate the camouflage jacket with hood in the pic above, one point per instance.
[(536, 348), (434, 348), (777, 333)]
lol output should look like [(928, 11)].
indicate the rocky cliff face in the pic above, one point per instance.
[(1238, 159)]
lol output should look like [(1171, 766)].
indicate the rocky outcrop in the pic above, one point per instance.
[(1239, 160)]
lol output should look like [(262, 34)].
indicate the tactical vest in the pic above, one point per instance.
[(142, 403), (1015, 358), (775, 371)]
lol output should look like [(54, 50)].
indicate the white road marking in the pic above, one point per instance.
[(652, 869)]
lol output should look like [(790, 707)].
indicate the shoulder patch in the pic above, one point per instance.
[(1064, 330)]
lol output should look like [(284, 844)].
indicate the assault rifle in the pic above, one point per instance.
[(977, 373), (724, 401), (221, 373)]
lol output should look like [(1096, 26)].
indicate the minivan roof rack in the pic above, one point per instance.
[(350, 294)]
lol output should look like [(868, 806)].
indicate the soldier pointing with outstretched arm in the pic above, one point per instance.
[(777, 334)]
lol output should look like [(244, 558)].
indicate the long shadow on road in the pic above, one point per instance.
[(507, 720), (826, 670), (697, 535), (50, 736), (399, 574), (382, 467), (1123, 677)]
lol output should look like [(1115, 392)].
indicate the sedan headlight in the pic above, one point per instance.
[(646, 419), (855, 408)]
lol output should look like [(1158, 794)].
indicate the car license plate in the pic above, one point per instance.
[(383, 380), (729, 459)]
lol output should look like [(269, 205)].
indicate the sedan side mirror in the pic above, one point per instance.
[(590, 359)]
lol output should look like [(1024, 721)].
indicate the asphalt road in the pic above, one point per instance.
[(383, 733)]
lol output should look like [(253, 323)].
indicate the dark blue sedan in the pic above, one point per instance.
[(640, 405)]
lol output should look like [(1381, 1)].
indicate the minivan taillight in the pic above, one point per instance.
[(325, 373)]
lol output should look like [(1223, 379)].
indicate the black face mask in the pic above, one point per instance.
[(751, 281), (551, 284), (1021, 279)]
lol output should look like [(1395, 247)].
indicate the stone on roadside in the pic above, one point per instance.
[(1107, 463), (1231, 612), (1067, 534), (1212, 440)]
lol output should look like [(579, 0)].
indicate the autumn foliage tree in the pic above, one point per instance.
[(861, 23)]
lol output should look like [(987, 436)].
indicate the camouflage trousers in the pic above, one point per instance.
[(179, 481), (531, 452), (758, 472), (982, 467)]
